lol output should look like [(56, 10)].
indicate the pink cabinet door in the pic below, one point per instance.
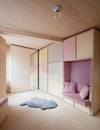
[(69, 49)]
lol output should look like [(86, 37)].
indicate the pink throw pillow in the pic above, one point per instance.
[(84, 92), (70, 87)]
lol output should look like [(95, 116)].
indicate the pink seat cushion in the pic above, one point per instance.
[(76, 97), (70, 87), (84, 92), (2, 101)]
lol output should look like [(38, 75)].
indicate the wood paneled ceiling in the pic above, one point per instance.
[(36, 17), (27, 41)]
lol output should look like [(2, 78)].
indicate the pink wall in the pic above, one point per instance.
[(67, 71), (80, 73)]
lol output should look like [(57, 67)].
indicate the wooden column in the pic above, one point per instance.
[(2, 67)]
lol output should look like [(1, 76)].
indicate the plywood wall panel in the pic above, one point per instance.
[(96, 74), (43, 84), (34, 70), (84, 45), (7, 68), (43, 56), (55, 53), (20, 69), (2, 67), (55, 87), (43, 77), (83, 108), (36, 58), (55, 71), (43, 69), (69, 49)]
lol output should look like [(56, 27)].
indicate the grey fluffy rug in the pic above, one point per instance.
[(40, 103)]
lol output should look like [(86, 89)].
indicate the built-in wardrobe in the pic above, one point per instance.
[(82, 65), (81, 53), (51, 69)]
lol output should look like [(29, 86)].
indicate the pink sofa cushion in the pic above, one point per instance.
[(2, 101), (70, 87), (84, 92)]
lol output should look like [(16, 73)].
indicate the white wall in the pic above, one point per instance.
[(2, 67), (20, 69)]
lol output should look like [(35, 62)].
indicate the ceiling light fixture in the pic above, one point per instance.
[(57, 9)]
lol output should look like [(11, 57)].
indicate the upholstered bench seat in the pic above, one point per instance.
[(76, 98), (3, 109)]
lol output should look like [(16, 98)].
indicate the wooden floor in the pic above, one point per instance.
[(64, 117)]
